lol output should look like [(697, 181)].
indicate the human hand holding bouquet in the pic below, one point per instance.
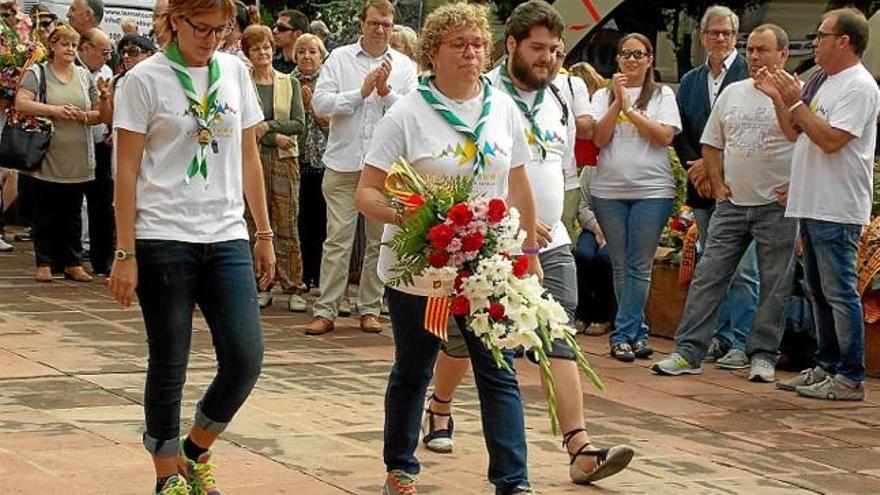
[(467, 249)]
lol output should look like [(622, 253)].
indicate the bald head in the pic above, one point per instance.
[(95, 49)]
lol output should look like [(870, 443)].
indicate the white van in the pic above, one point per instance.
[(115, 11)]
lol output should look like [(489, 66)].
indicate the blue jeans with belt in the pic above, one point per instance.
[(501, 407), (830, 251), (174, 277)]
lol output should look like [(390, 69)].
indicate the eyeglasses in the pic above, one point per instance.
[(719, 33), (133, 51), (460, 46), (819, 35), (204, 32), (46, 24), (105, 51), (379, 24), (634, 54)]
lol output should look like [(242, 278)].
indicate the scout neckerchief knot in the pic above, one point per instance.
[(480, 159), (203, 108), (531, 114)]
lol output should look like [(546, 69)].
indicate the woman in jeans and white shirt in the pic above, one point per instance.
[(634, 187)]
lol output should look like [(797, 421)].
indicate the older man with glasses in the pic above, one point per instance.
[(290, 25)]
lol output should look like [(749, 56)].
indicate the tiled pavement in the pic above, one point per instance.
[(72, 370)]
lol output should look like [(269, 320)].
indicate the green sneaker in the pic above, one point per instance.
[(399, 482), (175, 485), (199, 473), (675, 365)]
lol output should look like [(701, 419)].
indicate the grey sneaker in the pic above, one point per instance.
[(762, 370), (735, 359), (675, 365), (831, 389), (807, 377), (399, 482), (715, 352), (524, 491), (297, 304)]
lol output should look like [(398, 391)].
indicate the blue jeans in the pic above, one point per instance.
[(501, 407), (173, 277), (632, 228), (741, 300), (732, 230), (596, 302), (830, 251)]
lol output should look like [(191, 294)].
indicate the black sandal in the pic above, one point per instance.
[(608, 461), (439, 441)]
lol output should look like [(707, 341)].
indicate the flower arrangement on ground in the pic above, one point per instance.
[(467, 249)]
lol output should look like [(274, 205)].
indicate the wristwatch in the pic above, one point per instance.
[(122, 255)]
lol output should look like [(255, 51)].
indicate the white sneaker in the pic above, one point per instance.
[(5, 247), (297, 304), (762, 370), (264, 299)]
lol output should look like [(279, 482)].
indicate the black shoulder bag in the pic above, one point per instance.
[(25, 139)]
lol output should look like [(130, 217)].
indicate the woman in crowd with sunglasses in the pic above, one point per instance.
[(633, 187), (188, 160)]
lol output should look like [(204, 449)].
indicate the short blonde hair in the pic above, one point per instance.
[(447, 20), (62, 32), (588, 73), (407, 37), (254, 35), (309, 38)]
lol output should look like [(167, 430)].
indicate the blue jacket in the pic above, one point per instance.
[(694, 108)]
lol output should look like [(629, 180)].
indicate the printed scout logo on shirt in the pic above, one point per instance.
[(818, 108), (467, 152), (624, 127)]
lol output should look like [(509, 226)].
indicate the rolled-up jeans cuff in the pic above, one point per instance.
[(208, 424), (161, 448)]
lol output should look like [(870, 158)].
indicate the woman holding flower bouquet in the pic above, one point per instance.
[(633, 187), (454, 125)]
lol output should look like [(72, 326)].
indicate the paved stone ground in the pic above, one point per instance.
[(72, 369)]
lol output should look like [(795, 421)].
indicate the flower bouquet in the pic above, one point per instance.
[(466, 249), (17, 53)]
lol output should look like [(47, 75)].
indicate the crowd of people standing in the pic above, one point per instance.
[(242, 162)]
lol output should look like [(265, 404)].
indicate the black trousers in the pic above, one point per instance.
[(99, 201), (57, 224), (312, 223), (25, 199)]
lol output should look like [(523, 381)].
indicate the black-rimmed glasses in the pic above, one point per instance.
[(203, 31)]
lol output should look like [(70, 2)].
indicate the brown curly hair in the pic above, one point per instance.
[(447, 20)]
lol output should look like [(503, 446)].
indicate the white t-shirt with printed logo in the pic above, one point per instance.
[(547, 176), (838, 187), (630, 167), (757, 155), (418, 133), (152, 102)]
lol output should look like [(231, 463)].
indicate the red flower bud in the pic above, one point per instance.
[(460, 278), (497, 209), (414, 201), (472, 242), (438, 259), (461, 306), (521, 267), (496, 311), (440, 236), (460, 215)]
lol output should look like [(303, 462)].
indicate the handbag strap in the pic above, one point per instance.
[(42, 77)]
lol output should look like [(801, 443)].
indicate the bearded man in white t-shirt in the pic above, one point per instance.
[(357, 85), (830, 195), (747, 147)]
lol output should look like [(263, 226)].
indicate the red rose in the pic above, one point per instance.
[(414, 201), (440, 236), (472, 242), (438, 259), (460, 215), (461, 306), (460, 278), (496, 311), (521, 267), (497, 209)]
